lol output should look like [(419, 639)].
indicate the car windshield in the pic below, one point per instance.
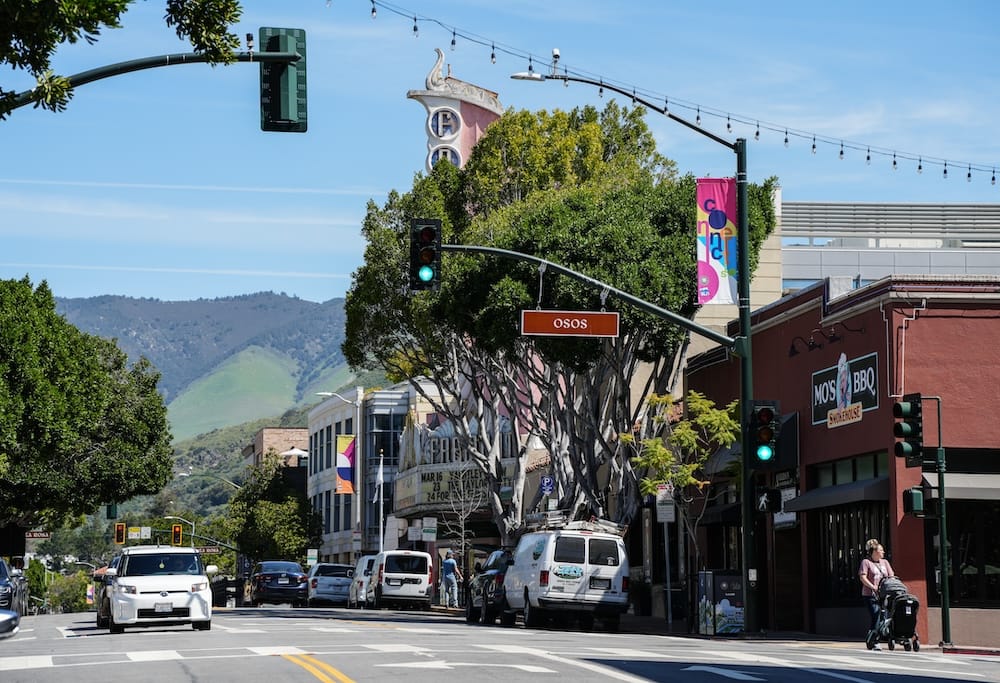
[(160, 564), (332, 570)]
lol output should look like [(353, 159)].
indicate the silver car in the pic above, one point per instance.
[(329, 583)]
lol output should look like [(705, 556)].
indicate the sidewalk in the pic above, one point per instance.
[(630, 623)]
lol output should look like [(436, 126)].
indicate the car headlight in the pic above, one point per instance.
[(199, 587), (125, 588)]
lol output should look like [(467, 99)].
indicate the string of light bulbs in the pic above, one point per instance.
[(759, 126)]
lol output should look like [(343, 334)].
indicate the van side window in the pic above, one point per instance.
[(603, 552), (570, 549)]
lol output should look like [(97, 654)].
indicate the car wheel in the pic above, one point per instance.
[(202, 625), (612, 623), (115, 628), (587, 622), (102, 620), (377, 602), (471, 613), (532, 615)]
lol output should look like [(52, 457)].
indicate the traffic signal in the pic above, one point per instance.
[(112, 510), (119, 533), (769, 500), (176, 535), (913, 502), (910, 429), (425, 254), (764, 428), (283, 84)]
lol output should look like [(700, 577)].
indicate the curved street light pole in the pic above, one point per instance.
[(210, 476), (742, 346)]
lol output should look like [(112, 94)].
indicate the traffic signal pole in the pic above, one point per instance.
[(84, 77), (943, 556)]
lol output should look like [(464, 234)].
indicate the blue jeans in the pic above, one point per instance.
[(451, 589), (873, 610)]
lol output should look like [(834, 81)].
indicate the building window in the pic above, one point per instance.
[(326, 512), (974, 554), (840, 546), (329, 447), (337, 512)]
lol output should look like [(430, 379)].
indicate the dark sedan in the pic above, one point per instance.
[(13, 589), (485, 599), (277, 582)]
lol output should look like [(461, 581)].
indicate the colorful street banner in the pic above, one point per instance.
[(717, 253), (345, 464)]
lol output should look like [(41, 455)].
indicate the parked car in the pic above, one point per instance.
[(363, 571), (13, 589), (574, 569), (329, 583), (101, 600), (278, 581), (402, 577), (153, 584), (484, 600)]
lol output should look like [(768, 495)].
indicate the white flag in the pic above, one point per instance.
[(378, 481)]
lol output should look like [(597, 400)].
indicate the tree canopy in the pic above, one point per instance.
[(584, 189), (30, 33), (79, 427)]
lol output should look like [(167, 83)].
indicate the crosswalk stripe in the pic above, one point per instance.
[(27, 662), (153, 655)]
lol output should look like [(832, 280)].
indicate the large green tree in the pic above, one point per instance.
[(584, 189), (31, 31), (79, 426)]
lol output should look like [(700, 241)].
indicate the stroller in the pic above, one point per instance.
[(897, 620)]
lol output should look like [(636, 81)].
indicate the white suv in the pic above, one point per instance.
[(159, 585)]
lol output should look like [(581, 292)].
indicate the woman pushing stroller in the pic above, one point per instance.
[(873, 569)]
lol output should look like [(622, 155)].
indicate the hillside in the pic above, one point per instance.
[(225, 361)]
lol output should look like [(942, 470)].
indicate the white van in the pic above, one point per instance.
[(571, 570), (401, 577), (363, 570)]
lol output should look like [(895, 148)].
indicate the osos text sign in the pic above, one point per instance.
[(570, 323)]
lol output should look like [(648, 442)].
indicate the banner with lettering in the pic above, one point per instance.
[(345, 464), (717, 252)]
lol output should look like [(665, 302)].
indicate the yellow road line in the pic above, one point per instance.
[(314, 666)]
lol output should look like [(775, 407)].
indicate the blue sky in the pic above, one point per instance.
[(160, 183)]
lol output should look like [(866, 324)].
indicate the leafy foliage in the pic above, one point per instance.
[(79, 426), (269, 519), (30, 33), (68, 593)]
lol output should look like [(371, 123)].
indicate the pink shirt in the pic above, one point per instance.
[(875, 571)]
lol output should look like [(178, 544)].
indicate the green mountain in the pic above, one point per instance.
[(227, 361)]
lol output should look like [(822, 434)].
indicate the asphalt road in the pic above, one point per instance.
[(339, 646)]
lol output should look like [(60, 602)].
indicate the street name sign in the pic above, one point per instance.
[(570, 323)]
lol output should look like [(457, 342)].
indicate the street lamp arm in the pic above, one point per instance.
[(334, 393), (565, 77)]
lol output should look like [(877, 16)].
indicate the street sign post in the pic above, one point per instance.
[(570, 323)]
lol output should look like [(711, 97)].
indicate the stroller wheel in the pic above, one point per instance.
[(892, 644), (916, 644), (906, 645)]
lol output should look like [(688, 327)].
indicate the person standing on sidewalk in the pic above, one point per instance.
[(450, 576), (873, 569)]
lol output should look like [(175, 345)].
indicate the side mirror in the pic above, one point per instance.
[(111, 572), (212, 569)]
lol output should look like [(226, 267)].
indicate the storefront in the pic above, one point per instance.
[(839, 363)]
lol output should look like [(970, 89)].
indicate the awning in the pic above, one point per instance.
[(842, 494), (966, 486)]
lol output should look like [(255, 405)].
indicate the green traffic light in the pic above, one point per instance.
[(764, 452), (426, 273)]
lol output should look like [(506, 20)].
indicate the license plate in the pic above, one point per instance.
[(394, 582), (283, 581), (163, 607), (602, 584)]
